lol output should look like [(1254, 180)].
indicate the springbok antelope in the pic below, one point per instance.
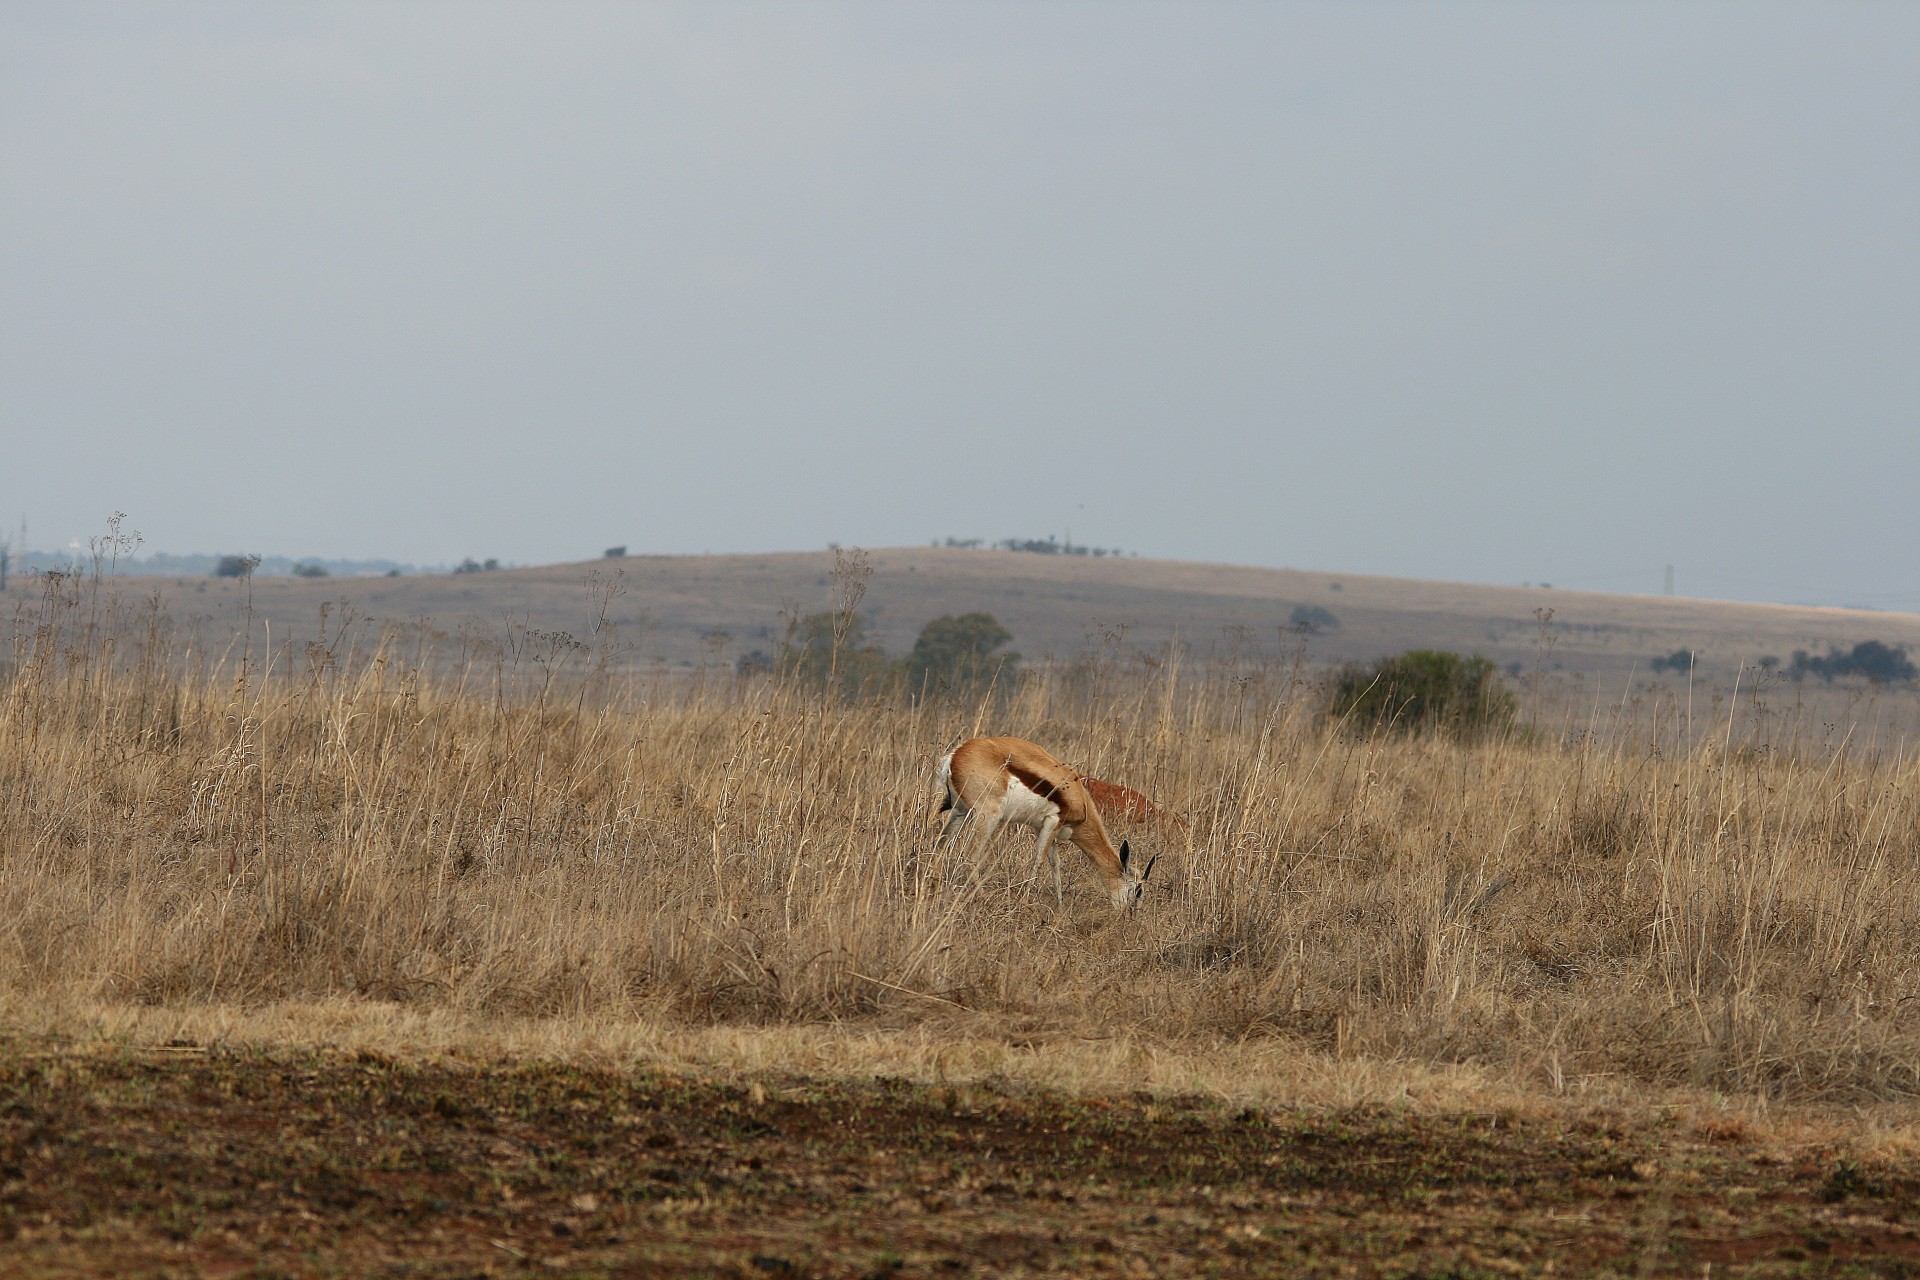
[(1012, 780)]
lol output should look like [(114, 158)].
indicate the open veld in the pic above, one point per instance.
[(351, 962), (682, 611)]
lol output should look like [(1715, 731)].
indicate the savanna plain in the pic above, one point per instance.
[(334, 956)]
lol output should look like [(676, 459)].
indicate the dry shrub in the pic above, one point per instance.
[(739, 852)]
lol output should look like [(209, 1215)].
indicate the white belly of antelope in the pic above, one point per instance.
[(1025, 807)]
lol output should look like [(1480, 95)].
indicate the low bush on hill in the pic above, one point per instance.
[(1871, 660), (1424, 690)]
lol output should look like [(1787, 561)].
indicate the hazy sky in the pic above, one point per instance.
[(1492, 292)]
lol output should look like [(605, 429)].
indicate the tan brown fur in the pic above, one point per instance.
[(977, 777), (1115, 800)]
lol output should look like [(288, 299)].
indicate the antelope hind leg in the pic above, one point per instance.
[(1048, 830)]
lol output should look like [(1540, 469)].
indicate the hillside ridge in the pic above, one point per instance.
[(689, 610)]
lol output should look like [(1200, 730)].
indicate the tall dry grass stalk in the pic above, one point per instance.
[(530, 834)]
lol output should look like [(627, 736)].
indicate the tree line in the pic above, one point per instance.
[(953, 654)]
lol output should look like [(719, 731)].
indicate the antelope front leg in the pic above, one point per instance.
[(1048, 830)]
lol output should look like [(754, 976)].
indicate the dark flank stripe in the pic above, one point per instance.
[(1033, 782)]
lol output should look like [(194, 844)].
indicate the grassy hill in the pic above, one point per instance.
[(685, 610)]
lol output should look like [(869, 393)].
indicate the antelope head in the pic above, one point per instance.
[(1132, 884)]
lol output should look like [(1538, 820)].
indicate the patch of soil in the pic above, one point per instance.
[(242, 1163)]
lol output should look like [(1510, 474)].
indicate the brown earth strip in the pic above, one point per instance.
[(244, 1163)]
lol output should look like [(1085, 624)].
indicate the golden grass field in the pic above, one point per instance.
[(355, 845)]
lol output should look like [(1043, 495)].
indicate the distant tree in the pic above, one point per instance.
[(236, 566), (615, 553), (1882, 664), (957, 653), (1313, 617), (1679, 660), (310, 570), (807, 654), (470, 565), (1049, 546), (1424, 690), (756, 663)]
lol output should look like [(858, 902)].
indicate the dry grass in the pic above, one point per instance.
[(529, 844)]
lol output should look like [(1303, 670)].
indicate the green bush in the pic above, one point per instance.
[(1680, 660), (957, 654), (1880, 663), (236, 566), (808, 654), (953, 655), (1421, 690), (1313, 617)]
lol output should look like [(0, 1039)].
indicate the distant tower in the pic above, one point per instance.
[(1669, 579)]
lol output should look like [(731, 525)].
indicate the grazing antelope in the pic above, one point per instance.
[(1011, 780)]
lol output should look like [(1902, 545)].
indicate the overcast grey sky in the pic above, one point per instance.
[(1494, 292)]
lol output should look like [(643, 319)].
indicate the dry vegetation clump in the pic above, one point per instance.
[(533, 835)]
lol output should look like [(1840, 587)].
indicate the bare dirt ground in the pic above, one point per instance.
[(188, 1161)]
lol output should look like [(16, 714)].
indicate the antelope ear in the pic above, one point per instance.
[(1126, 855), (1149, 871)]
